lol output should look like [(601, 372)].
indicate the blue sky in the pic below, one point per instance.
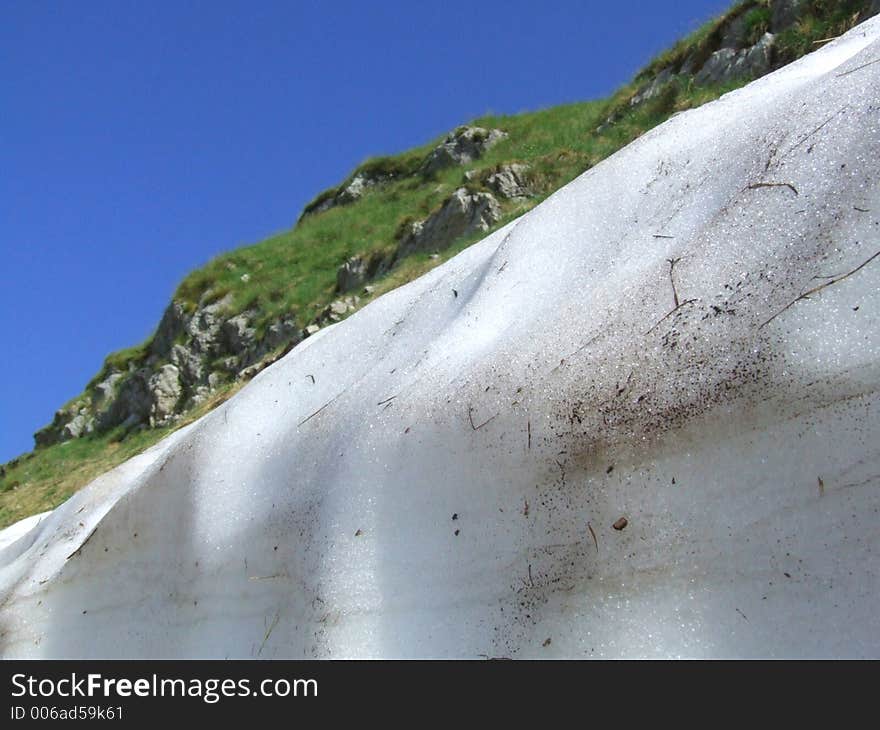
[(139, 139)]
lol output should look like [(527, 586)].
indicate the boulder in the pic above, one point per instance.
[(462, 214), (282, 332), (203, 328), (105, 391), (352, 274), (70, 422), (132, 403), (355, 190), (728, 64), (171, 327), (189, 363), (78, 426), (510, 181), (652, 89), (337, 310), (358, 270), (759, 57), (165, 390), (238, 335), (461, 147)]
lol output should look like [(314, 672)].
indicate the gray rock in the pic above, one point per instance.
[(105, 392), (728, 65), (510, 181), (352, 274), (132, 403), (200, 395), (70, 422), (324, 204), (252, 371), (337, 310), (215, 380), (310, 330), (189, 363), (652, 89), (759, 57), (462, 214), (717, 68), (171, 327), (338, 307), (785, 13), (689, 65), (356, 189), (238, 335), (203, 328), (78, 426), (461, 147), (283, 332), (358, 270)]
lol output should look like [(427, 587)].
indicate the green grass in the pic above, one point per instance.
[(825, 19), (294, 271), (757, 22)]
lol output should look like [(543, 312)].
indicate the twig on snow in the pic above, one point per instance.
[(817, 289), (595, 540), (756, 186), (859, 68), (471, 419)]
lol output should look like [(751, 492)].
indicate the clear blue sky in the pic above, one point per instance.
[(139, 139)]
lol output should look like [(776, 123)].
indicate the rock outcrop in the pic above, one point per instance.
[(190, 356), (730, 52), (350, 192), (358, 270), (729, 64), (336, 311), (461, 147), (510, 181), (463, 213), (165, 389)]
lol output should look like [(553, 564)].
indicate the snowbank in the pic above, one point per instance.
[(439, 475)]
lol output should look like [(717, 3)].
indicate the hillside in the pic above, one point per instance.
[(640, 420), (391, 220)]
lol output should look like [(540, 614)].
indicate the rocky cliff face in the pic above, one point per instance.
[(189, 356), (194, 352)]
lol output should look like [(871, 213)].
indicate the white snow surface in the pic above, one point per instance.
[(435, 492)]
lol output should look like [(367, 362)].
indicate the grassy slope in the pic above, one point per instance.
[(295, 271)]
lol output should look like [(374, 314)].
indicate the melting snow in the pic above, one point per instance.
[(637, 346)]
